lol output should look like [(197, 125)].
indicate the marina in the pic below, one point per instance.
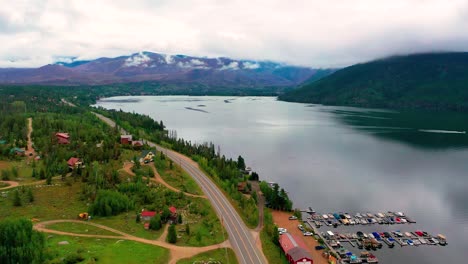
[(337, 219), (338, 242)]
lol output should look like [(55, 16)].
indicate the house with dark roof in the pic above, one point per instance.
[(62, 138), (295, 249), (17, 151)]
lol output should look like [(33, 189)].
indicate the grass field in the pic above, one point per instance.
[(50, 202), (176, 177), (4, 164), (221, 255), (4, 184), (203, 231), (105, 251), (127, 224), (80, 228)]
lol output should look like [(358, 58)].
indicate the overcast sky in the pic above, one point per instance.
[(324, 33)]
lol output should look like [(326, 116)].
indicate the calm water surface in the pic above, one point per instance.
[(340, 159)]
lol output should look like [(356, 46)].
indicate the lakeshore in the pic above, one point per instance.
[(340, 159)]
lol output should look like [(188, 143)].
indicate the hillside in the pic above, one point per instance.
[(437, 81), (178, 72)]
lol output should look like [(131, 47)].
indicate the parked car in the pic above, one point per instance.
[(308, 233), (320, 247), (293, 217)]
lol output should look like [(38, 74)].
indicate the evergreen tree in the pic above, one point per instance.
[(187, 229), (165, 214), (30, 195), (19, 243), (155, 222), (138, 218), (179, 219), (172, 234), (5, 175), (16, 198), (275, 236), (240, 163), (42, 175)]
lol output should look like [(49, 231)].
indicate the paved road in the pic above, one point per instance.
[(240, 236)]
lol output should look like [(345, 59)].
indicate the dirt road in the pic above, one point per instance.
[(176, 252), (12, 184), (157, 178), (30, 153)]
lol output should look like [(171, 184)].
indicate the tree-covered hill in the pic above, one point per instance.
[(436, 81)]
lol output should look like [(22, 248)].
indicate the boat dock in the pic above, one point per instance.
[(336, 241), (335, 219)]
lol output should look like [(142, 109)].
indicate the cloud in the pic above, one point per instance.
[(137, 60), (231, 66), (192, 64), (250, 65), (303, 32)]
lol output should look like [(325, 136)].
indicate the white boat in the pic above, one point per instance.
[(380, 215), (325, 216)]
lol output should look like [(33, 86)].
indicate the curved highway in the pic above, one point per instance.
[(240, 237)]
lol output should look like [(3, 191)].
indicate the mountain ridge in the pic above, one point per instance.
[(437, 81), (162, 68)]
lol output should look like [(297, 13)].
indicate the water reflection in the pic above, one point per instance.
[(435, 131)]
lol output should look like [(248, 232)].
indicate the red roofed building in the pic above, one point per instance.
[(63, 138), (137, 143), (126, 139), (173, 210), (295, 249), (147, 215), (74, 162)]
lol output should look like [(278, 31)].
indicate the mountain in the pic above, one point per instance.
[(163, 69), (437, 81)]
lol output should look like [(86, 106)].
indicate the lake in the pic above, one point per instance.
[(340, 159)]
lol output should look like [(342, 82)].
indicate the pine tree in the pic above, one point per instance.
[(16, 198), (49, 179), (187, 229), (138, 218), (172, 235), (179, 219), (30, 195), (155, 222)]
